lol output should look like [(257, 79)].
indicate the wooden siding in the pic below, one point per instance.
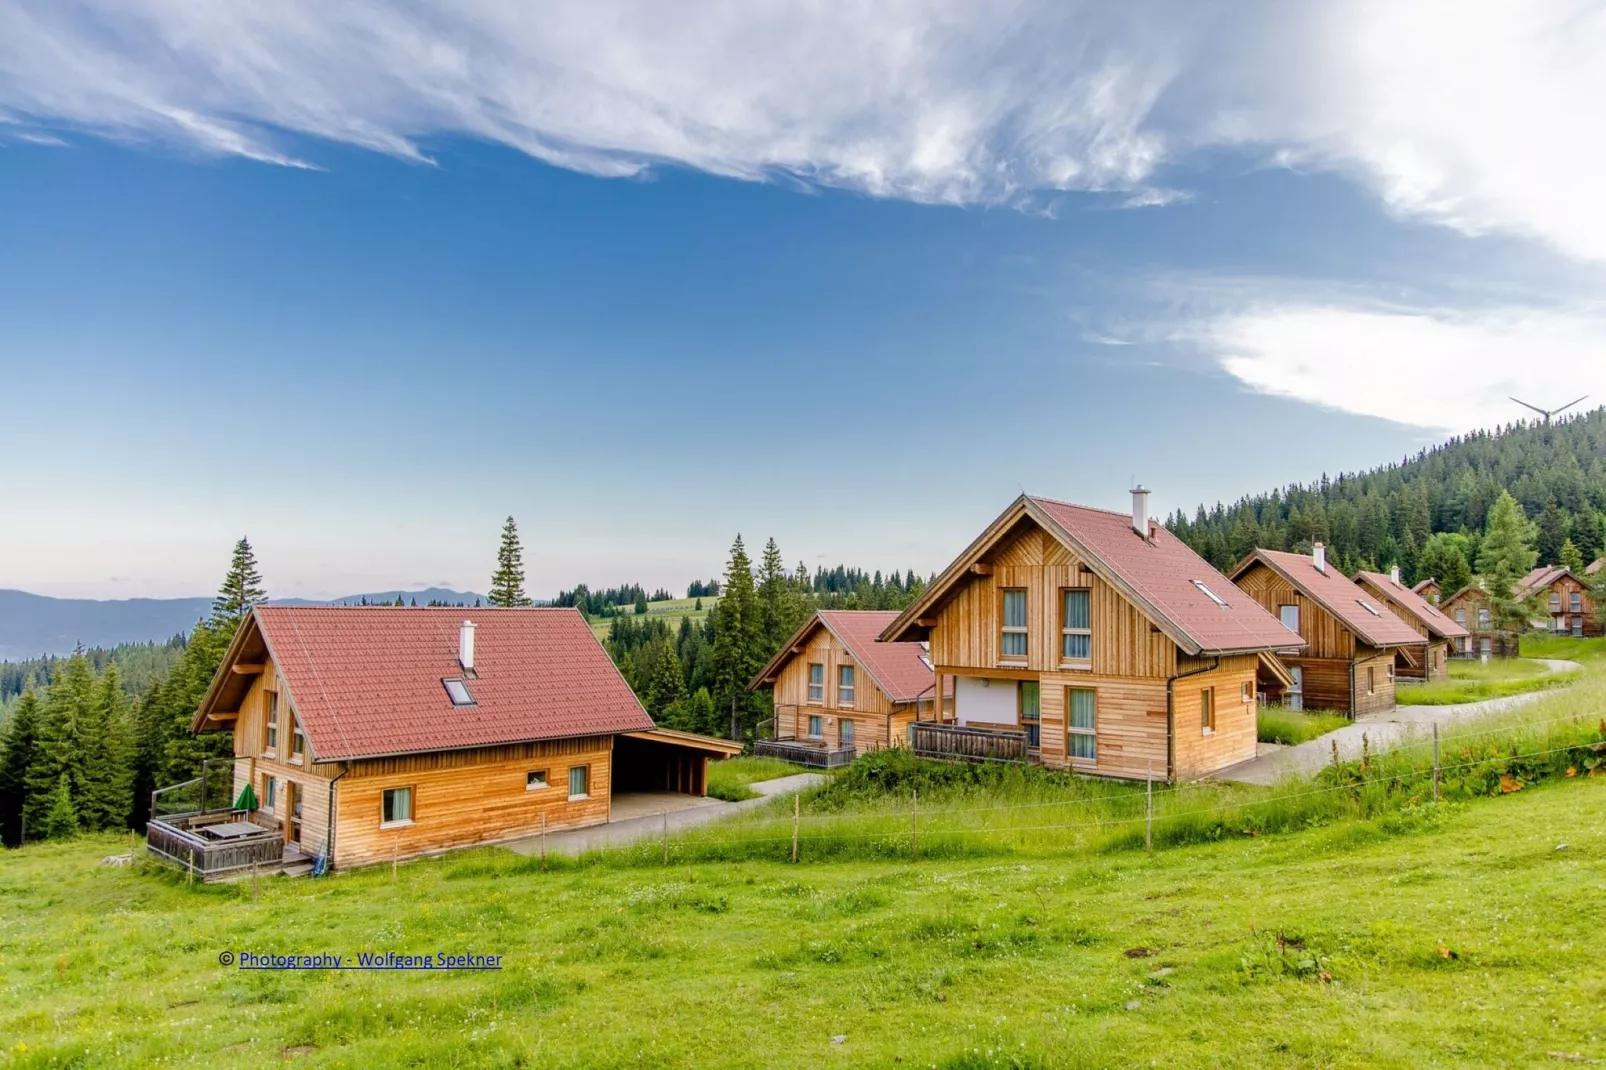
[(254, 763), (1199, 753), (1128, 718), (870, 731), (1324, 634), (1398, 610), (878, 722), (1381, 699), (1124, 642), (1560, 622), (467, 797)]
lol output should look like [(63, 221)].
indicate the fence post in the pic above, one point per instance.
[(794, 827), (1337, 768), (189, 876), (543, 839), (204, 762), (914, 817), (1435, 762), (253, 880), (666, 837), (395, 856), (1148, 823), (1366, 755)]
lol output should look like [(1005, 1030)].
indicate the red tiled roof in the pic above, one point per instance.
[(1422, 585), (1413, 603), (1539, 578), (897, 668), (1595, 566), (366, 680), (1162, 571), (1339, 595)]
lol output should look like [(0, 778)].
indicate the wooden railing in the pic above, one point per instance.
[(175, 837), (804, 752), (948, 741)]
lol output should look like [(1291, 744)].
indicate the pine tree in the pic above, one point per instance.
[(17, 755), (241, 589), (1444, 560), (780, 609), (60, 816), (1504, 558), (736, 640), (1551, 533), (507, 582), (1570, 558), (106, 802)]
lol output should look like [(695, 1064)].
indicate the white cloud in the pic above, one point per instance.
[(1482, 116), (1450, 371)]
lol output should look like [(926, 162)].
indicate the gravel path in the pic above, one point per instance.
[(651, 826), (1382, 731)]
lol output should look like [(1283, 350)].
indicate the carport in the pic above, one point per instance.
[(664, 760)]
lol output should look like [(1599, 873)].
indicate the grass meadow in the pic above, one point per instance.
[(728, 779), (1473, 681), (669, 611), (1278, 724)]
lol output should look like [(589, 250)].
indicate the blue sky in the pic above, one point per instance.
[(645, 285)]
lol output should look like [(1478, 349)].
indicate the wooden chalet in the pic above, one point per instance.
[(1430, 590), (368, 733), (1095, 641), (1565, 600), (1351, 641), (1470, 608), (838, 692), (1430, 660)]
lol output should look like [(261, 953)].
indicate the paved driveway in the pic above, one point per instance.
[(1382, 731)]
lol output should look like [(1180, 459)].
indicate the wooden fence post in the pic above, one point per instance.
[(794, 827), (543, 839), (1148, 823), (914, 834), (1337, 767), (1366, 755), (253, 880), (395, 856), (189, 876), (1435, 762), (666, 837)]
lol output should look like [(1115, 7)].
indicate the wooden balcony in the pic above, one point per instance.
[(812, 753), (951, 742), (213, 844)]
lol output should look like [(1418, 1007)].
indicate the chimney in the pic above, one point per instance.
[(1394, 574), (1140, 510), (465, 646), (1318, 557)]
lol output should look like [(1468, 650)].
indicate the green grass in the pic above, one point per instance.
[(1454, 936), (1474, 681), (728, 779), (1590, 653), (670, 611), (1292, 727)]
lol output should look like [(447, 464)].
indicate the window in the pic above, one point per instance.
[(844, 732), (270, 793), (816, 683), (1576, 602), (1076, 631), (844, 685), (1555, 602), (579, 782), (298, 739), (1484, 647), (535, 780), (1208, 593), (1461, 617), (397, 807), (1483, 618), (816, 726), (457, 690), (1081, 738), (1371, 679), (1578, 627), (1012, 641), (1207, 710), (1029, 701), (1246, 692), (1296, 693), (273, 722), (1289, 615)]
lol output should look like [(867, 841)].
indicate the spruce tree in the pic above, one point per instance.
[(106, 802), (1570, 558), (735, 640), (778, 604), (60, 816), (241, 589), (17, 755), (507, 582), (1504, 558), (1551, 532)]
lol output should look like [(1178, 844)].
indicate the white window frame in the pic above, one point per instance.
[(846, 682), (298, 740), (1066, 631), (846, 732), (1008, 631), (816, 726), (816, 687), (1483, 619), (1283, 614), (270, 792), (1090, 733), (1575, 601), (271, 741), (387, 805), (537, 780)]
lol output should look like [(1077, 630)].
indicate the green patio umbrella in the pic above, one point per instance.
[(247, 800)]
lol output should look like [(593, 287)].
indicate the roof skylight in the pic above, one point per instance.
[(1373, 610), (1208, 593), (457, 691)]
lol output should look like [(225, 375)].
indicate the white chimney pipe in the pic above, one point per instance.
[(1318, 556), (1140, 510), (465, 646), (1394, 573)]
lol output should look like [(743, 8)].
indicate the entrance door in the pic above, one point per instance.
[(292, 810), (1296, 694)]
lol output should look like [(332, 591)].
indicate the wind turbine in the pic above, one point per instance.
[(1548, 413)]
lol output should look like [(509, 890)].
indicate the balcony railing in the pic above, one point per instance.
[(953, 742), (185, 839), (812, 753)]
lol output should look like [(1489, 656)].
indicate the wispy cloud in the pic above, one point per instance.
[(1477, 116)]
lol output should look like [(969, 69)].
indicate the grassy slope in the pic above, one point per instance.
[(1291, 727), (1473, 681), (671, 612), (734, 964), (728, 779)]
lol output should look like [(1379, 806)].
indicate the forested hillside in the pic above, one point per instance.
[(1415, 512)]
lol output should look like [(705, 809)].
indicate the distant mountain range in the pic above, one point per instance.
[(32, 624)]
